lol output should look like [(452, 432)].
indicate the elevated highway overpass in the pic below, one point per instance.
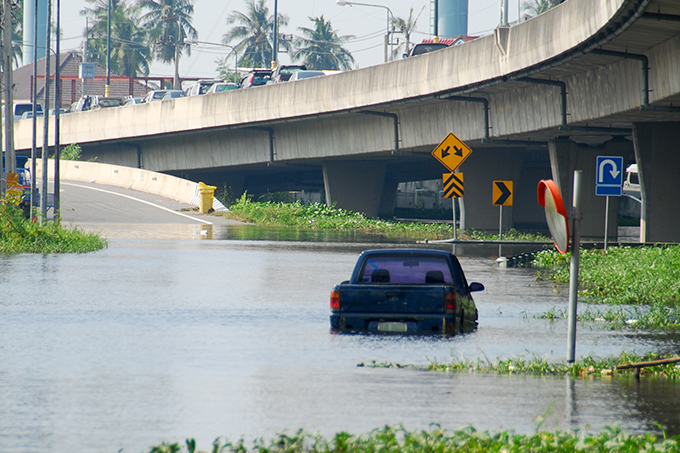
[(534, 101)]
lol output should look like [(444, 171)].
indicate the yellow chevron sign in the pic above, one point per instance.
[(453, 185), (502, 193)]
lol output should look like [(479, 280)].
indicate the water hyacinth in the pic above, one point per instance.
[(20, 235), (320, 216), (541, 366), (438, 440), (620, 275)]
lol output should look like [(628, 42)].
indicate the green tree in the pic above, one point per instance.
[(405, 27), (536, 7), (130, 53), (168, 23), (254, 33), (320, 47)]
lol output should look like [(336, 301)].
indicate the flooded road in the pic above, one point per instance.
[(159, 340)]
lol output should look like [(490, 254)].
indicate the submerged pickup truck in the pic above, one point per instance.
[(405, 290)]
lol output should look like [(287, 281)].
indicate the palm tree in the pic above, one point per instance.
[(405, 27), (17, 31), (320, 47), (130, 53), (255, 33), (536, 7), (169, 24)]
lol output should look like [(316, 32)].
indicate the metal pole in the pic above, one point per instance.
[(107, 88), (461, 206), (435, 38), (453, 207), (500, 224), (573, 269), (606, 221), (275, 43), (10, 158), (57, 107), (46, 112), (34, 146), (87, 31)]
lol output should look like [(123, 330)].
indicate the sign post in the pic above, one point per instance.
[(573, 267), (609, 183)]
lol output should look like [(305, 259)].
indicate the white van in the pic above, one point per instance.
[(632, 181), (22, 107)]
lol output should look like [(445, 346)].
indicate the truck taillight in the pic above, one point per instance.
[(335, 300), (450, 302)]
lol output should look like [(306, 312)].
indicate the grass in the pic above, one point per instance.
[(318, 216), (437, 440), (620, 275), (20, 235)]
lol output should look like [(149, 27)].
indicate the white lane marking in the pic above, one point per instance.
[(141, 201)]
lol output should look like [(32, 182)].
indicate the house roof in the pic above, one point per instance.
[(71, 84)]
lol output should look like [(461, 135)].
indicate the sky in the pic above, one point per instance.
[(366, 24)]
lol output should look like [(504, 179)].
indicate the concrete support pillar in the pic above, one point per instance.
[(355, 185), (567, 156), (484, 166), (658, 160)]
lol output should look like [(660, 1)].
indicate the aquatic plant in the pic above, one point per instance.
[(398, 439), (319, 216), (537, 365), (621, 275), (20, 235)]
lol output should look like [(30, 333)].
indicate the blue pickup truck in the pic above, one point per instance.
[(405, 290)]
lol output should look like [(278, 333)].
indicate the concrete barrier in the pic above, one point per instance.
[(179, 189)]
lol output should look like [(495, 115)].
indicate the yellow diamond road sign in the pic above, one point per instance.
[(451, 152)]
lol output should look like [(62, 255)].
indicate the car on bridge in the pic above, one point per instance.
[(283, 73), (299, 75), (222, 86), (173, 94), (201, 87), (94, 102), (256, 77)]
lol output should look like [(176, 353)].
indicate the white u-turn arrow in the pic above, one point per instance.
[(614, 172)]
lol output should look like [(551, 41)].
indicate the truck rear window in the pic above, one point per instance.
[(407, 270)]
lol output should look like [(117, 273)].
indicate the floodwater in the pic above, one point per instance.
[(154, 341)]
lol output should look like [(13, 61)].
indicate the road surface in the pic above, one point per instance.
[(117, 212)]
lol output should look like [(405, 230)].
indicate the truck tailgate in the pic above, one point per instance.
[(392, 299)]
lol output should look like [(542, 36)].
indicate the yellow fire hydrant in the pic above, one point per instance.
[(206, 201)]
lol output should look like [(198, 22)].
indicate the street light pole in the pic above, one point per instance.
[(107, 89), (389, 14), (275, 44), (194, 41)]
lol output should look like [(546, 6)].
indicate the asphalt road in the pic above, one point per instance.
[(117, 212)]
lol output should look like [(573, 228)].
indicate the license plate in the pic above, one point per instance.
[(392, 327)]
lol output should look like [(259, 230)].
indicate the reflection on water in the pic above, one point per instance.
[(160, 340)]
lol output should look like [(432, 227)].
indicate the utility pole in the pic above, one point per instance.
[(107, 88), (57, 107), (275, 44), (46, 117), (10, 158)]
